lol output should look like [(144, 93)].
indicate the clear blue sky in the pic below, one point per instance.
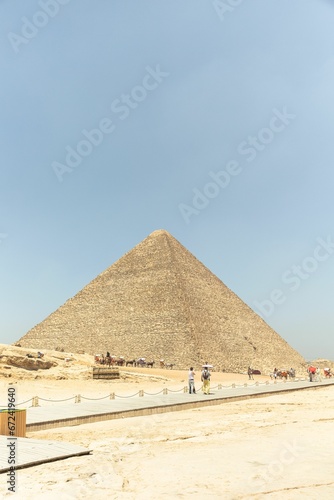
[(212, 122)]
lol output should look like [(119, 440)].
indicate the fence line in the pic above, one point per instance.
[(35, 400)]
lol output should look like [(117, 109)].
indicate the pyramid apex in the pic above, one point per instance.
[(159, 232)]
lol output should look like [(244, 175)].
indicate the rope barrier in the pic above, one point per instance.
[(17, 404), (125, 397), (95, 399), (56, 400), (24, 402), (35, 400), (154, 393)]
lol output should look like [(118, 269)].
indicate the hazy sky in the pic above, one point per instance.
[(212, 120)]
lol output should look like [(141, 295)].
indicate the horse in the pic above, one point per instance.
[(282, 374), (162, 363), (141, 362), (170, 365), (109, 361), (328, 373), (120, 361), (131, 362), (150, 364)]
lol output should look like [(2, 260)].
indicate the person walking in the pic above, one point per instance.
[(311, 371), (205, 379), (191, 380)]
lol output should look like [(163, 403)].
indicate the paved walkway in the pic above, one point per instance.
[(88, 411), (23, 452), (30, 452)]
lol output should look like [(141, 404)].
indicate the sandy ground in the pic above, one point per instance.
[(277, 447)]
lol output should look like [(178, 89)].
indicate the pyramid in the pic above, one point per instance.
[(159, 302)]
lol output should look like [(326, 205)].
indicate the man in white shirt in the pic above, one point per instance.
[(191, 379)]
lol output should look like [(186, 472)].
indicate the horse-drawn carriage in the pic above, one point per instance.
[(99, 359), (109, 360), (283, 374), (115, 360), (143, 363)]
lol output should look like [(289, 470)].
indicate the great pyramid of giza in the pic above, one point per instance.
[(158, 301)]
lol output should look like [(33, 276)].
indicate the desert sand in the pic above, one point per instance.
[(276, 447)]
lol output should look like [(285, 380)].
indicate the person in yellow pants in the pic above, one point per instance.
[(205, 378)]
